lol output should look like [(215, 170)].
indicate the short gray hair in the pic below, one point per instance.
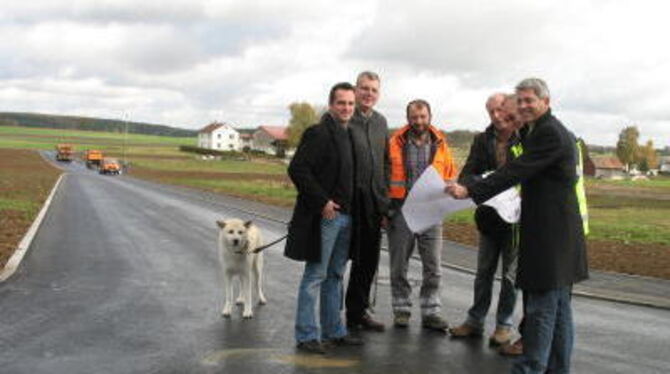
[(369, 75), (495, 96), (538, 86)]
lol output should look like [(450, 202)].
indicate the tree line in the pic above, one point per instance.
[(304, 115), (93, 124)]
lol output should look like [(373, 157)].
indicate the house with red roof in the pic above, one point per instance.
[(271, 140), (608, 167)]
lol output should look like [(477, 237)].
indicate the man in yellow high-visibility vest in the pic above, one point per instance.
[(552, 251)]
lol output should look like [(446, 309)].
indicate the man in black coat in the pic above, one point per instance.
[(322, 170), (369, 135), (552, 252)]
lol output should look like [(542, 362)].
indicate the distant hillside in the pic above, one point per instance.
[(93, 124)]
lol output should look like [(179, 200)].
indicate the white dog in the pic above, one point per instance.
[(237, 242)]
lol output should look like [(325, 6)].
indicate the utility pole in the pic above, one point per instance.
[(125, 140)]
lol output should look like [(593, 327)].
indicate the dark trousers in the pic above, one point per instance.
[(364, 267)]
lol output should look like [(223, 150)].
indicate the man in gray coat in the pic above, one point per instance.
[(369, 134), (552, 252)]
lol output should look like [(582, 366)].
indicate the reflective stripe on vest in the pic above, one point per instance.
[(580, 191)]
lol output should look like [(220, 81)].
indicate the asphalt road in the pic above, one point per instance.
[(122, 277)]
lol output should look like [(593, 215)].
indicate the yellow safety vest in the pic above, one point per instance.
[(580, 191)]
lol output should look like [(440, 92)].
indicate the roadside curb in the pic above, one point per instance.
[(13, 263)]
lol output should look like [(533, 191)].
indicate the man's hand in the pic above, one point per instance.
[(329, 210), (457, 191)]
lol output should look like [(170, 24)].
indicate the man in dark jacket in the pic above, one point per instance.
[(369, 135), (490, 151), (552, 252), (320, 230)]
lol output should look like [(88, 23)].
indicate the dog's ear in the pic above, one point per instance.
[(221, 224), (248, 223)]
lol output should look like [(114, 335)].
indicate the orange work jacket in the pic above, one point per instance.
[(442, 160)]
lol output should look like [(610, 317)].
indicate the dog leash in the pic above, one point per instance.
[(270, 244)]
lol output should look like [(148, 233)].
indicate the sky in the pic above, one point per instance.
[(185, 63)]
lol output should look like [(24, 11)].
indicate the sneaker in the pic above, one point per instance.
[(366, 322), (512, 349), (311, 346), (501, 336), (401, 319), (466, 331), (435, 322), (346, 340)]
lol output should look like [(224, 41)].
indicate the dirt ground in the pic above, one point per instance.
[(651, 260), (25, 182)]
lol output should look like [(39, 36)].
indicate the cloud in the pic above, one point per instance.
[(188, 62)]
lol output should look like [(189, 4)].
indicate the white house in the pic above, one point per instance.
[(219, 136)]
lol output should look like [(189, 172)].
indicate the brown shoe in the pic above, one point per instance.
[(466, 331), (366, 323), (501, 336), (512, 349)]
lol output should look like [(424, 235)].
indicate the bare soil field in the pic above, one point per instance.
[(646, 259), (25, 182)]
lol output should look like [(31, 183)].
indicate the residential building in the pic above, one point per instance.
[(219, 136)]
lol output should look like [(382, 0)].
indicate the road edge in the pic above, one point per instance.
[(15, 260)]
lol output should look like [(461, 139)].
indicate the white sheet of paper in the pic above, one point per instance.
[(427, 204), (507, 204)]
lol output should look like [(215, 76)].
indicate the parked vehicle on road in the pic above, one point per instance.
[(64, 152)]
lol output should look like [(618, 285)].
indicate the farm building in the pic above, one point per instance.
[(608, 167), (271, 140)]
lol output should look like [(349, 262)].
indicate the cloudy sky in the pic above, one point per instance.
[(185, 63)]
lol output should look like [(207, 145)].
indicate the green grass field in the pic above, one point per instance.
[(54, 136)]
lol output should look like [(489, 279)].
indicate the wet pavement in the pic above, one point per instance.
[(122, 277)]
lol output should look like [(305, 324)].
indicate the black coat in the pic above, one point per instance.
[(315, 170), (482, 159), (552, 250)]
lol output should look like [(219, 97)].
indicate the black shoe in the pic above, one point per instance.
[(366, 322), (344, 341), (312, 346)]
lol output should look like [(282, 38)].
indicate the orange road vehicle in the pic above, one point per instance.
[(92, 157), (64, 152), (110, 166)]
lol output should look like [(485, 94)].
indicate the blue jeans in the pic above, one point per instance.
[(487, 262), (548, 332), (324, 279)]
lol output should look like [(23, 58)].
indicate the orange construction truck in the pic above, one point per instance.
[(64, 152), (92, 157)]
